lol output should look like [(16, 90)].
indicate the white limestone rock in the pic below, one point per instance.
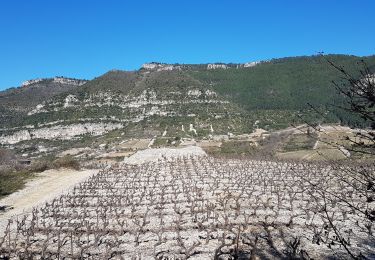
[(216, 66), (160, 66), (18, 136), (38, 109), (63, 132), (30, 82), (192, 129), (194, 93), (70, 100), (251, 64)]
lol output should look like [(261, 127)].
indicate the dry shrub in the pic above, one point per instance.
[(66, 162), (39, 166), (7, 157)]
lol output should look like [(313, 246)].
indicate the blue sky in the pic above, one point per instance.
[(86, 38)]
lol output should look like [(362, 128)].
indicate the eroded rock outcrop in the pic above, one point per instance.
[(63, 132)]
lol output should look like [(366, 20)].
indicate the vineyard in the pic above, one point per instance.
[(201, 208)]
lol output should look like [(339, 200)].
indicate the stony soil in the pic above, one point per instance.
[(169, 204)]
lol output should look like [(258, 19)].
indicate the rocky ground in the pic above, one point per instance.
[(183, 204)]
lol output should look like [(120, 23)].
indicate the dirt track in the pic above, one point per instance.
[(44, 187)]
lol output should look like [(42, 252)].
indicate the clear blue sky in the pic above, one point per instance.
[(86, 38)]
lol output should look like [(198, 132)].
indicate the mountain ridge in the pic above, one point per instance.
[(194, 101)]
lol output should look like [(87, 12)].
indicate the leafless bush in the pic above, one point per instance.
[(66, 162)]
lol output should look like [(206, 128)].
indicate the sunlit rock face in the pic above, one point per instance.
[(60, 80), (250, 64), (30, 82), (160, 66), (216, 66), (62, 132)]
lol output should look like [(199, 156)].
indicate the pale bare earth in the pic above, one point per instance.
[(46, 186), (135, 144), (160, 205), (155, 154)]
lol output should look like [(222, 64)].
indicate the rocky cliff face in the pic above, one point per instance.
[(62, 132), (30, 82), (216, 66), (59, 80), (160, 66), (155, 66)]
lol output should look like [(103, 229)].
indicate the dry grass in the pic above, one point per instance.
[(66, 162), (14, 175)]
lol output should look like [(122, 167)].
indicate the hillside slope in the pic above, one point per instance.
[(284, 86), (15, 103), (174, 100)]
